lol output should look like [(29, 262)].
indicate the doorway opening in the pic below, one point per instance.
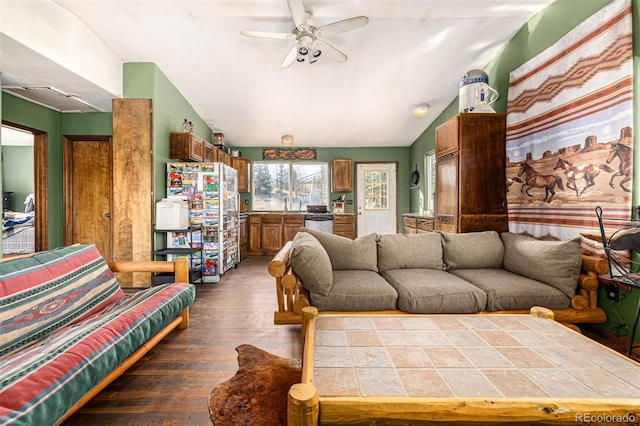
[(38, 169)]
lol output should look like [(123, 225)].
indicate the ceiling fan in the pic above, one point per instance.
[(309, 44)]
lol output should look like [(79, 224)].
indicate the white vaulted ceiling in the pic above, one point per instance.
[(411, 51)]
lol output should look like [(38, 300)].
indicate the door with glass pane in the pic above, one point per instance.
[(376, 198)]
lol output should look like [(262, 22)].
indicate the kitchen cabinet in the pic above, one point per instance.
[(209, 152), (255, 235), (271, 233), (417, 224), (291, 225), (242, 165), (470, 173), (341, 175), (185, 146), (243, 235), (344, 225)]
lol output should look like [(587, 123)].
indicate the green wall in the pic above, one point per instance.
[(17, 174), (539, 33), (170, 108)]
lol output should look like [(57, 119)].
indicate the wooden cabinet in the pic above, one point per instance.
[(341, 175), (185, 146), (255, 235), (243, 238), (470, 173), (344, 225), (417, 224), (209, 152), (291, 225), (242, 165), (269, 232)]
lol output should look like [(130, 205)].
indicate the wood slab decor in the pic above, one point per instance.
[(289, 154), (257, 394)]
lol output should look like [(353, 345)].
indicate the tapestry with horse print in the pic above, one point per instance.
[(569, 129)]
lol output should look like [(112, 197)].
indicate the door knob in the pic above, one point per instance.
[(107, 215)]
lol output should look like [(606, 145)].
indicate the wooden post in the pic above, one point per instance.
[(540, 312), (303, 405), (309, 313)]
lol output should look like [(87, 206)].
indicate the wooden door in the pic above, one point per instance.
[(447, 193), (88, 194)]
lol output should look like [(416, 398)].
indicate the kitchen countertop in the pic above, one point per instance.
[(419, 215), (295, 212)]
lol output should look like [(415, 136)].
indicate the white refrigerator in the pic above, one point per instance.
[(212, 192)]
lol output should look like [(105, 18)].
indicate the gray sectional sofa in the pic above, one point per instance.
[(433, 273)]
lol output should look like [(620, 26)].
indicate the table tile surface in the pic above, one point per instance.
[(502, 356)]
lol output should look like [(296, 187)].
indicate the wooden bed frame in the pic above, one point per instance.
[(292, 297), (179, 267)]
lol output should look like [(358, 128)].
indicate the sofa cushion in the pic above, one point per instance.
[(400, 251), (556, 263), (46, 291), (472, 250), (507, 291), (41, 382), (356, 290), (429, 291), (345, 253), (311, 263)]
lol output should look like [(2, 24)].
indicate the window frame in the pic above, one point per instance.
[(291, 164)]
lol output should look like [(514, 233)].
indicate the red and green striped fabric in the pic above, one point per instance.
[(41, 380), (46, 291)]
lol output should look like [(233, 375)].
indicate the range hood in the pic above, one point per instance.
[(52, 98)]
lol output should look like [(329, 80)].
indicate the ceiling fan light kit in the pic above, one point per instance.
[(308, 37)]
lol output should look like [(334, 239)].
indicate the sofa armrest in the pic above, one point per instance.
[(180, 267), (588, 283), (290, 293)]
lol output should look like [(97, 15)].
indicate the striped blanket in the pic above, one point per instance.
[(65, 325)]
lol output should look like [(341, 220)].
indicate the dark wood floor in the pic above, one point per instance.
[(171, 384)]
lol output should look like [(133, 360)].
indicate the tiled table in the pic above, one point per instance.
[(499, 368)]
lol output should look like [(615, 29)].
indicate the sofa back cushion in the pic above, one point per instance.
[(416, 251), (44, 292), (556, 263), (472, 250), (346, 253), (311, 263)]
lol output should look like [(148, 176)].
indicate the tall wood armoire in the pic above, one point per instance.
[(470, 173)]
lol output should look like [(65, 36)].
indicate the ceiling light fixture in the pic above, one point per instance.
[(286, 140), (420, 111)]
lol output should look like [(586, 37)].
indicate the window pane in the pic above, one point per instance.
[(310, 185), (271, 185), (376, 195), (280, 186)]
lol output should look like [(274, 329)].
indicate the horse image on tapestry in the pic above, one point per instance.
[(622, 148), (587, 172), (533, 179)]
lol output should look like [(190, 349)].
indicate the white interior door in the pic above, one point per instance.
[(376, 198)]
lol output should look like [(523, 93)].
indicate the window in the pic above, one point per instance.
[(430, 173), (376, 193), (282, 186)]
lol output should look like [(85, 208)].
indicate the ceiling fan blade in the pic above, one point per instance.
[(298, 13), (261, 34), (331, 51), (291, 57), (341, 26)]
